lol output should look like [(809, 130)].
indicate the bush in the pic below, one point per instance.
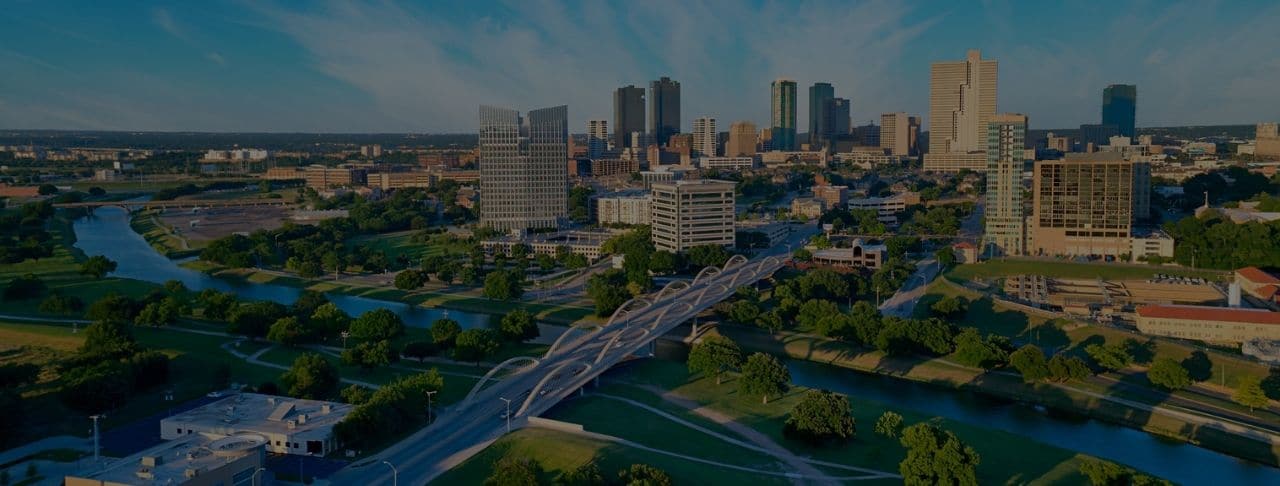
[(1168, 374), (395, 408), (62, 304), (311, 377)]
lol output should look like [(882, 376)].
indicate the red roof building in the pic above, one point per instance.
[(1213, 324)]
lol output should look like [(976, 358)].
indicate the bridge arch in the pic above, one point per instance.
[(708, 272), (657, 321), (555, 346), (671, 288), (626, 308), (703, 294), (537, 389), (734, 261), (499, 367), (617, 336)]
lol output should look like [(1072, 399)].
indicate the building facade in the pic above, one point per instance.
[(692, 213), (962, 101), (704, 136), (727, 163), (782, 109), (1006, 228), (628, 115), (1120, 108), (597, 138), (524, 172), (1230, 325), (664, 109), (819, 95), (624, 209), (742, 139), (899, 134), (1083, 205), (836, 122), (1267, 141)]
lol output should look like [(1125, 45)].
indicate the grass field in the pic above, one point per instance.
[(401, 243), (1001, 268)]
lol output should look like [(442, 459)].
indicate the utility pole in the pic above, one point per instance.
[(429, 414), (395, 475), (508, 415), (95, 435)]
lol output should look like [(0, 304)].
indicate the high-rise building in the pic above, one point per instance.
[(899, 133), (704, 136), (628, 115), (664, 109), (692, 213), (524, 177), (1006, 229), (835, 122), (597, 138), (962, 100), (1120, 108), (819, 95), (1267, 140), (1097, 135), (742, 139), (783, 115), (1084, 204)]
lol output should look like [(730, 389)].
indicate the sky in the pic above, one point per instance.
[(425, 67)]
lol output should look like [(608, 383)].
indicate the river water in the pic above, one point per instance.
[(1177, 461), (106, 232)]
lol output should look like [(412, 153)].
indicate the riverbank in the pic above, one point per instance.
[(1074, 398)]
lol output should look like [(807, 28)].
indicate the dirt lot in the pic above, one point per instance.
[(214, 223)]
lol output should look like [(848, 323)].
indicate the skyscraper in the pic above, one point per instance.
[(898, 133), (523, 171), (664, 109), (628, 115), (819, 95), (1085, 204), (742, 139), (597, 138), (783, 114), (962, 100), (1120, 108), (1006, 158), (834, 123), (704, 136)]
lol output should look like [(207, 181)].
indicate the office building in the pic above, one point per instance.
[(1093, 136), (962, 100), (1267, 141), (1083, 205), (807, 207), (692, 213), (1120, 108), (819, 95), (742, 139), (1059, 143), (727, 163), (624, 209), (886, 208), (1006, 230), (524, 173), (628, 115), (835, 122), (782, 134), (193, 460), (899, 133), (289, 425), (664, 109), (832, 197), (597, 138), (704, 136)]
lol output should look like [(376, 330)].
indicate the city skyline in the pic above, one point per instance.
[(399, 67)]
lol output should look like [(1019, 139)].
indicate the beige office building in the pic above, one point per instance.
[(692, 213), (899, 133), (1267, 141), (962, 101), (742, 139), (704, 136), (624, 210), (1213, 324), (1084, 205), (1006, 227)]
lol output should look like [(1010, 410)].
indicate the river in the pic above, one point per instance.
[(1177, 461), (106, 232)]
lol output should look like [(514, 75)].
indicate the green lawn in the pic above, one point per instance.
[(1000, 268), (401, 243)]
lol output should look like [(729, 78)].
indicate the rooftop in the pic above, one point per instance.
[(177, 461), (264, 414), (1257, 275), (1203, 313)]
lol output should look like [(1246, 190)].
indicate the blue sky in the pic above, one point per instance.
[(385, 66)]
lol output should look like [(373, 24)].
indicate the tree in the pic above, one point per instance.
[(160, 313), (97, 387), (369, 355), (770, 321), (410, 279), (107, 340), (643, 475), (588, 474), (764, 375), (1167, 373), (255, 319), (474, 345), (973, 350), (97, 266), (502, 285), (813, 311), (607, 290), (377, 325), (1063, 368), (1198, 365), (1109, 356), (113, 307), (287, 330), (518, 325), (329, 320), (444, 331), (821, 417), (744, 312), (714, 355), (311, 377), (950, 307), (889, 424), (1030, 361), (13, 375), (663, 262), (216, 305), (707, 255), (1249, 393), (47, 189), (937, 456), (175, 287), (28, 286), (356, 394), (511, 471), (946, 257), (419, 350)]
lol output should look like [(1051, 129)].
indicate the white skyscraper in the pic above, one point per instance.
[(524, 174), (704, 136), (597, 138)]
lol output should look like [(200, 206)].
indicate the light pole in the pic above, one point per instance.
[(95, 435), (345, 335), (395, 475), (508, 414), (429, 394), (254, 478)]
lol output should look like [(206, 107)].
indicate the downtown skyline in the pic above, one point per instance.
[(401, 68)]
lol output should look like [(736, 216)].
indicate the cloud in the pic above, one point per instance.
[(163, 19), (216, 58)]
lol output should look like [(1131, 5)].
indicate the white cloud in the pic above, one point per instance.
[(216, 58), (163, 19)]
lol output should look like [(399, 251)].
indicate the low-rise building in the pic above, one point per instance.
[(105, 175), (692, 213), (965, 252), (624, 209), (727, 163), (585, 243), (859, 254), (290, 425), (776, 231), (1258, 284), (400, 180), (193, 460), (1212, 324), (886, 208), (320, 177), (831, 196), (955, 162), (806, 207)]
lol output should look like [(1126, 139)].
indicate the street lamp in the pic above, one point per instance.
[(395, 475), (429, 394), (508, 414), (95, 435)]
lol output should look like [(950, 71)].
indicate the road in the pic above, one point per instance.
[(466, 428), (903, 302)]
